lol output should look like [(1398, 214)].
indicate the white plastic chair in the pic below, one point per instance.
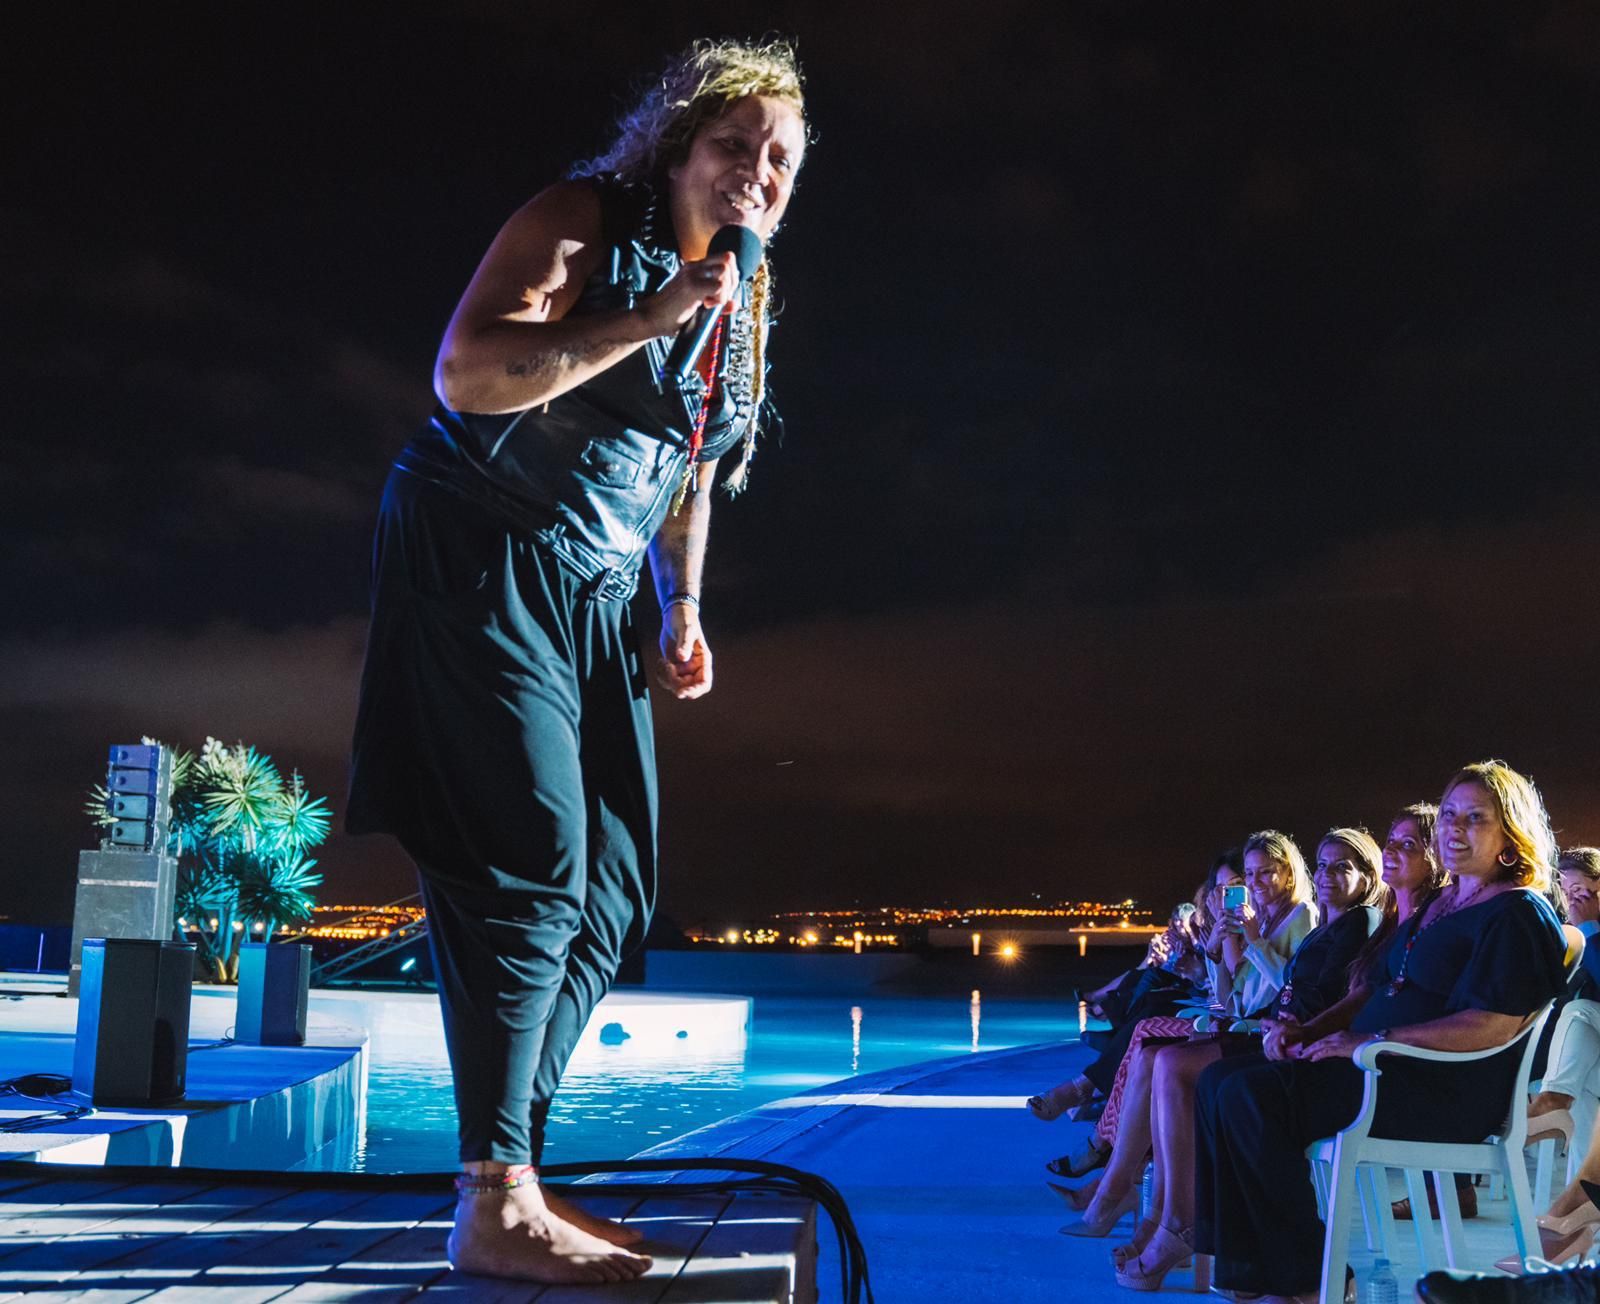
[(1345, 1153)]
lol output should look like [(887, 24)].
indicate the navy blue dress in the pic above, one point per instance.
[(1256, 1210)]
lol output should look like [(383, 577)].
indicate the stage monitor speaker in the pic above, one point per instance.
[(274, 987), (133, 1021)]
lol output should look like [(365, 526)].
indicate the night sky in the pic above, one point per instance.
[(1191, 419)]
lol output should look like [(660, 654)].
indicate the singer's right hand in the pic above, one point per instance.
[(704, 283)]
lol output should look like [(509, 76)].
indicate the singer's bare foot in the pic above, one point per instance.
[(605, 1228), (515, 1234)]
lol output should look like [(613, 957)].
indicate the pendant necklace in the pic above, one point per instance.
[(1419, 927)]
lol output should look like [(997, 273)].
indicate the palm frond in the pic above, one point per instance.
[(240, 793), (276, 891), (97, 806), (298, 821)]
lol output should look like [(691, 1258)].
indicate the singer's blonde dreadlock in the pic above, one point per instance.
[(760, 295)]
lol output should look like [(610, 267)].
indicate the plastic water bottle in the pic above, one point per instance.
[(1382, 1288), (1147, 1192)]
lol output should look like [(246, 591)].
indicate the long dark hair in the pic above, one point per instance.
[(1363, 969)]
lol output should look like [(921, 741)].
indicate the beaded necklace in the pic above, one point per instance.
[(1286, 995), (697, 436), (1419, 925)]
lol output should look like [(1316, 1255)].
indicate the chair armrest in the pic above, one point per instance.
[(1366, 1054)]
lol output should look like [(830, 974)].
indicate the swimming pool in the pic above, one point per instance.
[(617, 1099)]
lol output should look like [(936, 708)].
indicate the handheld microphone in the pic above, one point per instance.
[(745, 246)]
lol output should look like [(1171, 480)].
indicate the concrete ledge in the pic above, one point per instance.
[(246, 1106)]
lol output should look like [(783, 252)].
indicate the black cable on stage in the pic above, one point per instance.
[(39, 1089), (854, 1279), (855, 1283)]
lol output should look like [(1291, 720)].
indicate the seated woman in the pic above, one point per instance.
[(1355, 905), (1191, 963), (1412, 872), (1159, 970), (1566, 1102), (1096, 1148), (1258, 938), (1463, 974)]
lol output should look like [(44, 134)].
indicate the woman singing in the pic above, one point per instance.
[(504, 731)]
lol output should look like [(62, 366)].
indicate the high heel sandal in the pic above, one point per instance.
[(1552, 1123), (1121, 1254), (1079, 1163), (1058, 1100), (1101, 1225), (1167, 1250), (1554, 1250), (1563, 1249), (1566, 1224), (1078, 1198)]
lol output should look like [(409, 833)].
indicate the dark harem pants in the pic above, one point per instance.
[(504, 737)]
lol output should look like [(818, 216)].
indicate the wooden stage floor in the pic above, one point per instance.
[(100, 1236)]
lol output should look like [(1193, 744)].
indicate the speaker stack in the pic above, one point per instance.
[(126, 888)]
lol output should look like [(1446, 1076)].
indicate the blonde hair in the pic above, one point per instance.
[(1523, 819), (1368, 860), (1281, 848), (696, 87)]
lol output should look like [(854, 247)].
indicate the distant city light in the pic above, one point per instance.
[(1008, 950), (731, 936)]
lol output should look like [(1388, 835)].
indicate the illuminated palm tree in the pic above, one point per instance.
[(240, 833)]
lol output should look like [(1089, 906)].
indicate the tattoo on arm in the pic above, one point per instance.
[(563, 359)]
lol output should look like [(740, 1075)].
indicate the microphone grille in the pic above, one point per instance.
[(743, 243)]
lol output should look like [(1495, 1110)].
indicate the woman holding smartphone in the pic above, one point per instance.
[(1258, 937)]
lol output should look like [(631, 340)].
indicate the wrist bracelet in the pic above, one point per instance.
[(688, 600)]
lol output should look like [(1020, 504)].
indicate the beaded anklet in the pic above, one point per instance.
[(496, 1183)]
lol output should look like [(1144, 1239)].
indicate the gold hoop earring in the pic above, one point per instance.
[(1508, 864)]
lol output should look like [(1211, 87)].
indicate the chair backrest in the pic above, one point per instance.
[(1515, 1129)]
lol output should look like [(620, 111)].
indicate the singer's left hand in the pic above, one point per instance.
[(684, 668)]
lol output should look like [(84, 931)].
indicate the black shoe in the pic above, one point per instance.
[(1561, 1286)]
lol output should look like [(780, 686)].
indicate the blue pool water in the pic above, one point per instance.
[(616, 1101)]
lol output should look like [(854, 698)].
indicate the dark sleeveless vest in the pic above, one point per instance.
[(591, 473)]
